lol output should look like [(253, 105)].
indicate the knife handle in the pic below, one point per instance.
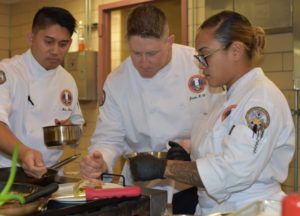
[(43, 192), (92, 194)]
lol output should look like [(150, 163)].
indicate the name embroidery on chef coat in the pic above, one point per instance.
[(197, 83), (66, 97), (258, 119), (227, 111), (2, 77)]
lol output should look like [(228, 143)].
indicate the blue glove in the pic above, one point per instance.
[(176, 152)]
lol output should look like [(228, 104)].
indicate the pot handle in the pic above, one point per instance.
[(65, 161), (44, 191)]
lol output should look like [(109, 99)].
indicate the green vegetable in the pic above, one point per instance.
[(4, 195)]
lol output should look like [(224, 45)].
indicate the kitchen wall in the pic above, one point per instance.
[(4, 31), (15, 21)]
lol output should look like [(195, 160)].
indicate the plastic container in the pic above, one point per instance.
[(81, 37), (291, 205)]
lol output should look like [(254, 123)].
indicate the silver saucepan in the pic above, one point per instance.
[(59, 135)]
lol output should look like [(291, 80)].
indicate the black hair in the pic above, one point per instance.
[(47, 16), (231, 26)]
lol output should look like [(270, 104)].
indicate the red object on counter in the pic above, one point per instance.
[(131, 191), (291, 205)]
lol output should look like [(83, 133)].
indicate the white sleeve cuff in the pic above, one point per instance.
[(212, 182)]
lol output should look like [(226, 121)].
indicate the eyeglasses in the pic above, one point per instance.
[(202, 58)]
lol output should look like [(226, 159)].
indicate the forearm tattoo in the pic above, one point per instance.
[(183, 171)]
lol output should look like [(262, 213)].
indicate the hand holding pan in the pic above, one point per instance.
[(48, 177)]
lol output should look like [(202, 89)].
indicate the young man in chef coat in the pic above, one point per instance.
[(152, 98), (35, 91)]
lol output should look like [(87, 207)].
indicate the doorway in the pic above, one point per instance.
[(112, 28), (118, 43)]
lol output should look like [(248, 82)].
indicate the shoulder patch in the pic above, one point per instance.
[(258, 119), (197, 83), (2, 77), (66, 97)]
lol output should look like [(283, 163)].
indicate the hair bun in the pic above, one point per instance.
[(259, 38)]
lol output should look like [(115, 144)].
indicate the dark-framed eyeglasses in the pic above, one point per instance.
[(202, 58)]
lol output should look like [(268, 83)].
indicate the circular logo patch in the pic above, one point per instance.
[(258, 119), (2, 77), (66, 97), (197, 83)]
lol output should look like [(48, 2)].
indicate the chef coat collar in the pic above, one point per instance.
[(243, 81), (35, 68)]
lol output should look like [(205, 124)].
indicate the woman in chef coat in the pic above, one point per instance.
[(35, 91), (242, 150)]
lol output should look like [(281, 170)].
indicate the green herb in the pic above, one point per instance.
[(4, 195)]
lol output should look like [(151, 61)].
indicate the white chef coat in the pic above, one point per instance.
[(143, 114), (236, 165), (32, 98)]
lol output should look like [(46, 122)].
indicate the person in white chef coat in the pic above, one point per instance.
[(152, 98), (35, 91), (241, 152)]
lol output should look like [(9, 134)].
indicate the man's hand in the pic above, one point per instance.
[(92, 166), (176, 152), (62, 122), (147, 167), (32, 162)]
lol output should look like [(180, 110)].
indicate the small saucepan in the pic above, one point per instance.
[(47, 178), (59, 135)]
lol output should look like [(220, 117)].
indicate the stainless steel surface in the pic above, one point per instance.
[(221, 214), (158, 200), (59, 135), (156, 154)]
